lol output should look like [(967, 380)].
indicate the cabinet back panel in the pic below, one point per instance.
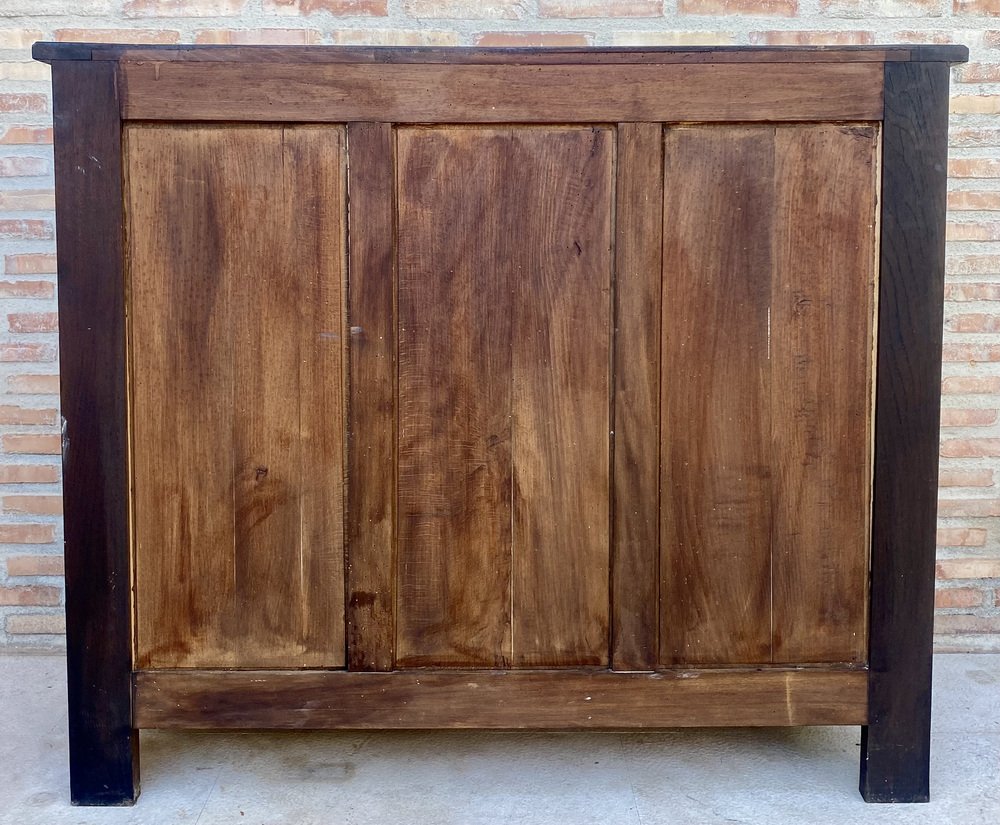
[(766, 393), (504, 239), (235, 255)]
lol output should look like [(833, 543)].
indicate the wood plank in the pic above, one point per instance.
[(238, 495), (454, 454), (821, 393), (635, 554), (895, 746), (179, 90), (560, 201), (371, 434), (511, 700), (715, 415), (103, 748)]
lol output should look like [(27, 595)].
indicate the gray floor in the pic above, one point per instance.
[(803, 775)]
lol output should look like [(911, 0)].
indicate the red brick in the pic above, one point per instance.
[(671, 38), (342, 8), (989, 8), (968, 568), (28, 353), (937, 37), (974, 168), (771, 8), (29, 474), (468, 9), (394, 37), (276, 37), (881, 8), (961, 537), (968, 508), (33, 384), (959, 624), (182, 8), (27, 533), (23, 167), (24, 444), (974, 231), (970, 447), (32, 322), (974, 201), (974, 136), (35, 595), (19, 39), (978, 73), (532, 39), (975, 104), (958, 597), (25, 135), (812, 38), (11, 414), (28, 229), (972, 265), (973, 322), (48, 565), (36, 624), (27, 289), (965, 478), (972, 292), (37, 505), (24, 102), (118, 35), (971, 353), (600, 8), (951, 417), (970, 385), (30, 264), (16, 200)]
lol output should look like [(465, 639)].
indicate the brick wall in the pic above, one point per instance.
[(30, 528)]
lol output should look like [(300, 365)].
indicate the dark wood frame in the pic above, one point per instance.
[(108, 701)]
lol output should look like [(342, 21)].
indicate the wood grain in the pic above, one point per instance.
[(455, 316), (103, 747), (715, 411), (429, 93), (636, 428), (560, 202), (822, 297), (237, 323), (511, 700), (371, 433)]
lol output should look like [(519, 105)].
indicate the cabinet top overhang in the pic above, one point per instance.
[(48, 52)]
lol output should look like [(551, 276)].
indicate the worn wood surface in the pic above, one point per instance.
[(172, 90), (371, 446), (636, 425), (103, 748), (236, 302), (715, 411), (822, 296), (560, 200), (895, 746), (510, 700), (504, 278)]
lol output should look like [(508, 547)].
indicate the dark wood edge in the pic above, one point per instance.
[(499, 700), (895, 749), (103, 747), (49, 51)]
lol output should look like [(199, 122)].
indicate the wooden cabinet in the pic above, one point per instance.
[(512, 389)]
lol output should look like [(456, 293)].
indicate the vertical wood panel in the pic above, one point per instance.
[(715, 517), (561, 204), (371, 431), (236, 240), (636, 495), (454, 303), (821, 323)]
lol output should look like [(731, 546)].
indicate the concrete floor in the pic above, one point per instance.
[(774, 776)]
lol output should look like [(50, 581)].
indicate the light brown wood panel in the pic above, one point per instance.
[(638, 264), (164, 90), (454, 470), (821, 391), (235, 243), (371, 445), (514, 700), (715, 408), (560, 201)]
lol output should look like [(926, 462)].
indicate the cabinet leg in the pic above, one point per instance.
[(103, 766), (895, 760)]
